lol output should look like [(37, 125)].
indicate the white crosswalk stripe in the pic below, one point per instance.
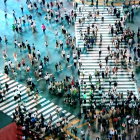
[(46, 107), (90, 56)]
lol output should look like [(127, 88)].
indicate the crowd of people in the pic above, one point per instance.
[(35, 67), (126, 50), (33, 124), (33, 63), (124, 113), (123, 53)]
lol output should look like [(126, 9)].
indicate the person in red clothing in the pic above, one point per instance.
[(43, 28), (72, 82)]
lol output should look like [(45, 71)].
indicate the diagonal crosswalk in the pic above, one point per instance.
[(46, 108), (90, 58)]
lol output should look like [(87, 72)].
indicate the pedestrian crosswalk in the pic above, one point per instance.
[(90, 58), (46, 107)]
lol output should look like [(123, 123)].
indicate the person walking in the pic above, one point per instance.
[(22, 9), (5, 15), (7, 87), (43, 28), (100, 52), (0, 39), (5, 40), (5, 2), (1, 97), (96, 4)]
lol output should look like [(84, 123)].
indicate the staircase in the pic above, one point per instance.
[(91, 60)]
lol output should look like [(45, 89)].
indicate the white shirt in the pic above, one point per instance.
[(38, 52), (47, 77)]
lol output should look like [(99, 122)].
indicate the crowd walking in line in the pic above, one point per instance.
[(28, 60), (35, 126), (100, 85), (34, 62)]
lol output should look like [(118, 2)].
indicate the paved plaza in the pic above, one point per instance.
[(69, 70)]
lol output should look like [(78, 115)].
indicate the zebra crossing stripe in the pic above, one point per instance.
[(53, 114), (15, 105), (9, 97), (49, 110), (7, 105), (47, 107), (45, 103), (90, 59)]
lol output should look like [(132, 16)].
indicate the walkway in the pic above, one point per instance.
[(42, 106), (94, 57)]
